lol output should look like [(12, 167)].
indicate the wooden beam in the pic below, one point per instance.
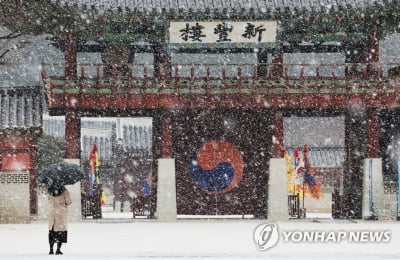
[(73, 135)]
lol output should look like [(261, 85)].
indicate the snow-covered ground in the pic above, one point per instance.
[(193, 239)]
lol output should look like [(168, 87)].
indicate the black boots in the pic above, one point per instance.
[(58, 252), (51, 249)]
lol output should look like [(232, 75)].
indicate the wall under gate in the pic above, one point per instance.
[(222, 161), (14, 197)]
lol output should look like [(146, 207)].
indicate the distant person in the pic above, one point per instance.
[(59, 200)]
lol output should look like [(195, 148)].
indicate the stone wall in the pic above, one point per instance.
[(389, 210), (14, 197)]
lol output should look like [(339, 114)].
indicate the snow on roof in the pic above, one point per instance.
[(324, 136), (21, 65), (219, 5), (314, 131), (323, 157), (20, 107)]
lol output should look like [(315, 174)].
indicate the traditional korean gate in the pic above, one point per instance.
[(222, 161)]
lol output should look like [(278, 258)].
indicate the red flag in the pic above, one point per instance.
[(311, 186), (93, 158)]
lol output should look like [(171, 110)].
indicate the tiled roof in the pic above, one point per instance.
[(20, 107), (323, 157), (323, 135), (136, 133), (314, 131), (219, 5)]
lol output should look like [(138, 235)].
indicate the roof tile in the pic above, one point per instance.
[(220, 5)]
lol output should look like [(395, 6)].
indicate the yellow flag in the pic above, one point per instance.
[(290, 173), (103, 198)]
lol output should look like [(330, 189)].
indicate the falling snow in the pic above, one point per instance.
[(335, 137)]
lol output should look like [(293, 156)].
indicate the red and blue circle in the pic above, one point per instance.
[(216, 166)]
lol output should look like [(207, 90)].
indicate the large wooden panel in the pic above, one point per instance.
[(222, 161)]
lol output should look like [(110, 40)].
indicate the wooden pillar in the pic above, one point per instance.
[(372, 56), (33, 175), (363, 57), (353, 173), (70, 56), (162, 62), (262, 62), (276, 70), (73, 135), (355, 55), (373, 149), (277, 135), (373, 51), (166, 135)]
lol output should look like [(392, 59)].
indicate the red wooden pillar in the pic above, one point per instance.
[(373, 48), (165, 67), (373, 149), (162, 62), (33, 174), (372, 57), (72, 135), (364, 58), (276, 70), (166, 135), (70, 56), (277, 135)]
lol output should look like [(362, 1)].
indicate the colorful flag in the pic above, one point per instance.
[(94, 159), (299, 177), (290, 173), (93, 163), (305, 182), (146, 185), (103, 198), (311, 186), (94, 175)]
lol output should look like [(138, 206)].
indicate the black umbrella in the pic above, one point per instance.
[(60, 174)]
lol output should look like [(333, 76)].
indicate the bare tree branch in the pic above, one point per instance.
[(12, 42), (12, 35), (2, 55)]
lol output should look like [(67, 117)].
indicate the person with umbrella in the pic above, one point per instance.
[(59, 200), (56, 176)]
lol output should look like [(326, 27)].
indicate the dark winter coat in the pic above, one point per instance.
[(58, 211)]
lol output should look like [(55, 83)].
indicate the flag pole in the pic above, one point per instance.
[(305, 150), (304, 213)]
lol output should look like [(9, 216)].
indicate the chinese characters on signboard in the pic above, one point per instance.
[(223, 32)]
